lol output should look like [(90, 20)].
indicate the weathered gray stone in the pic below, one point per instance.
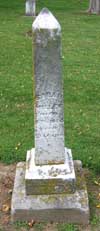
[(49, 179), (49, 121), (78, 164), (46, 189), (69, 208), (30, 7), (49, 167), (94, 7)]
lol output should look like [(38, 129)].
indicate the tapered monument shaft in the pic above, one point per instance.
[(49, 121)]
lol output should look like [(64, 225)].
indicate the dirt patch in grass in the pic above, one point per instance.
[(7, 174), (28, 33)]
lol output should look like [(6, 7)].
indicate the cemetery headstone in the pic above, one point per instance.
[(94, 7), (30, 7), (48, 187)]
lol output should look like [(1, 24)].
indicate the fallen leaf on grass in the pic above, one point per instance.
[(97, 183), (31, 223), (10, 191), (98, 206), (99, 195), (5, 208), (18, 146)]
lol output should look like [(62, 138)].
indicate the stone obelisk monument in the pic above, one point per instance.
[(48, 188)]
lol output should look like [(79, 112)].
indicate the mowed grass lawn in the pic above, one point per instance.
[(81, 76)]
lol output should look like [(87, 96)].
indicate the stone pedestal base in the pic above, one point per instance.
[(49, 179), (69, 208)]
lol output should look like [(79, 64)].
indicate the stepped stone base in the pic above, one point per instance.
[(69, 208)]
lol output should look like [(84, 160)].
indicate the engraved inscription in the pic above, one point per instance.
[(49, 118)]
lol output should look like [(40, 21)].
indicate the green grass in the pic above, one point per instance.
[(44, 226), (81, 74), (69, 227)]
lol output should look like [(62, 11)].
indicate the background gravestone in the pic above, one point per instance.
[(94, 6), (30, 7)]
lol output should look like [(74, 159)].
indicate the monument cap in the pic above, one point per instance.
[(46, 20)]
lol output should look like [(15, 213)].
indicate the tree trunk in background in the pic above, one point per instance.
[(94, 6)]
